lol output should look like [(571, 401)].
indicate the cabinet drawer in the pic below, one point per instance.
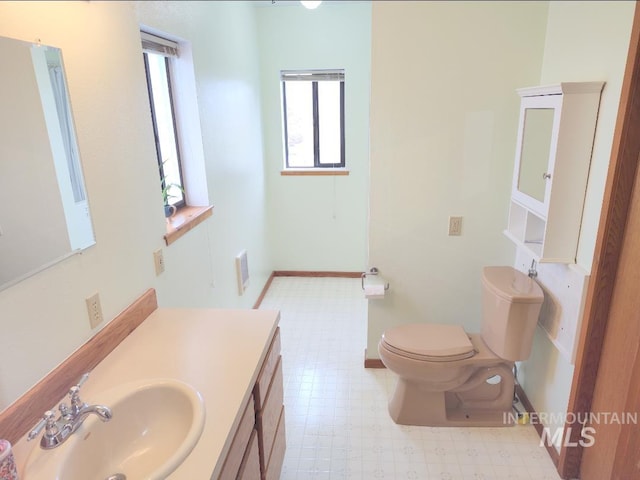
[(239, 443), (250, 468), (266, 373), (267, 419), (276, 459)]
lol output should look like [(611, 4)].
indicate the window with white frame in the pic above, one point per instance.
[(159, 53), (313, 118)]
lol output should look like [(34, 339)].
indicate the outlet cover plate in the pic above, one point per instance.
[(455, 226), (94, 309), (158, 261)]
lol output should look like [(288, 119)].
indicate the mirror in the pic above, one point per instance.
[(534, 155), (44, 214)]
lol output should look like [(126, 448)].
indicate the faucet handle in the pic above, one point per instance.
[(74, 396), (76, 401), (83, 379), (50, 425), (48, 420)]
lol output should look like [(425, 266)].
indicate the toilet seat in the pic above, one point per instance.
[(429, 342)]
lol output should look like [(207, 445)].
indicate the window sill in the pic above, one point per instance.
[(314, 171), (184, 220)]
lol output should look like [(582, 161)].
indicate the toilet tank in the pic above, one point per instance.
[(511, 303)]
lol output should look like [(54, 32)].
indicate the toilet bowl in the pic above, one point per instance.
[(447, 377)]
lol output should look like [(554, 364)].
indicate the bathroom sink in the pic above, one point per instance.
[(155, 425)]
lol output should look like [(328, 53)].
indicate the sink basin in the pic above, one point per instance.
[(155, 425)]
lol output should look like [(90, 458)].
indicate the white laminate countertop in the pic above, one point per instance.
[(216, 351)]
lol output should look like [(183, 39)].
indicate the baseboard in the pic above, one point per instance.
[(300, 273), (553, 453), (372, 362), (306, 273), (264, 291)]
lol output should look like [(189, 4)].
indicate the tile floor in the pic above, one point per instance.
[(336, 411)]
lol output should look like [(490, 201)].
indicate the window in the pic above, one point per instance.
[(158, 55), (313, 111)]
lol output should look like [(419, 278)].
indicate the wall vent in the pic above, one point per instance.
[(242, 271)]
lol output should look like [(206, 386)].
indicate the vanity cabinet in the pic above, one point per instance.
[(268, 397), (553, 154), (258, 446), (250, 467), (240, 451)]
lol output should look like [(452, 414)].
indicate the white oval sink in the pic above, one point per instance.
[(155, 425)]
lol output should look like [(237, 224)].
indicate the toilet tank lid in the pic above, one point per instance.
[(429, 339), (512, 285)]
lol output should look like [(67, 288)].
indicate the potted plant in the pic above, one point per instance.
[(167, 189)]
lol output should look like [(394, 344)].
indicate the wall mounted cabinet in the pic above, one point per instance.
[(553, 154)]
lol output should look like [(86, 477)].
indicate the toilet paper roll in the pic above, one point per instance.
[(8, 469), (374, 291)]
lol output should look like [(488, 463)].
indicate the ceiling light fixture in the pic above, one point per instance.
[(311, 5)]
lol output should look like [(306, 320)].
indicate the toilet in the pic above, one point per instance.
[(448, 377)]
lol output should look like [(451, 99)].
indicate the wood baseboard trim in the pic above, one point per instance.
[(300, 273), (305, 273), (553, 453), (372, 362), (19, 417), (264, 291)]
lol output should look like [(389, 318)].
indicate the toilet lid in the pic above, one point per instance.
[(429, 340)]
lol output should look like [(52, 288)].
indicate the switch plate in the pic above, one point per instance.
[(455, 226), (158, 261), (94, 309)]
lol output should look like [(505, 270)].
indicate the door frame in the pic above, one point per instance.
[(613, 219)]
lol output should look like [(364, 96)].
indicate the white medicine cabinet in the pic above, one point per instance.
[(553, 154)]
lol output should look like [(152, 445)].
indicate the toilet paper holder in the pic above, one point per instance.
[(372, 271)]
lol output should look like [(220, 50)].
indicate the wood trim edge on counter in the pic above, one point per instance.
[(19, 417)]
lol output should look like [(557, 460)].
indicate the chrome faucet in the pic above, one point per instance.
[(57, 431)]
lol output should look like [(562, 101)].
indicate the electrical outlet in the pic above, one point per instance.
[(94, 309), (158, 261), (455, 226)]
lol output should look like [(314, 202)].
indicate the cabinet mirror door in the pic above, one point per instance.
[(534, 154)]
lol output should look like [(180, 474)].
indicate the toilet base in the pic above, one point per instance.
[(475, 404)]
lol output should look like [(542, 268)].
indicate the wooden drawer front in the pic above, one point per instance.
[(267, 419), (266, 373), (250, 468), (239, 444), (276, 459)]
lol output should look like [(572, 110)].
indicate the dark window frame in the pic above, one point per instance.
[(182, 202), (316, 128)]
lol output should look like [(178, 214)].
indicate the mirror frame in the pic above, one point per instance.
[(553, 102), (62, 145)]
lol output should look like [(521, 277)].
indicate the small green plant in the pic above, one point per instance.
[(168, 188)]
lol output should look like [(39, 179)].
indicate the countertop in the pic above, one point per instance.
[(216, 351)]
